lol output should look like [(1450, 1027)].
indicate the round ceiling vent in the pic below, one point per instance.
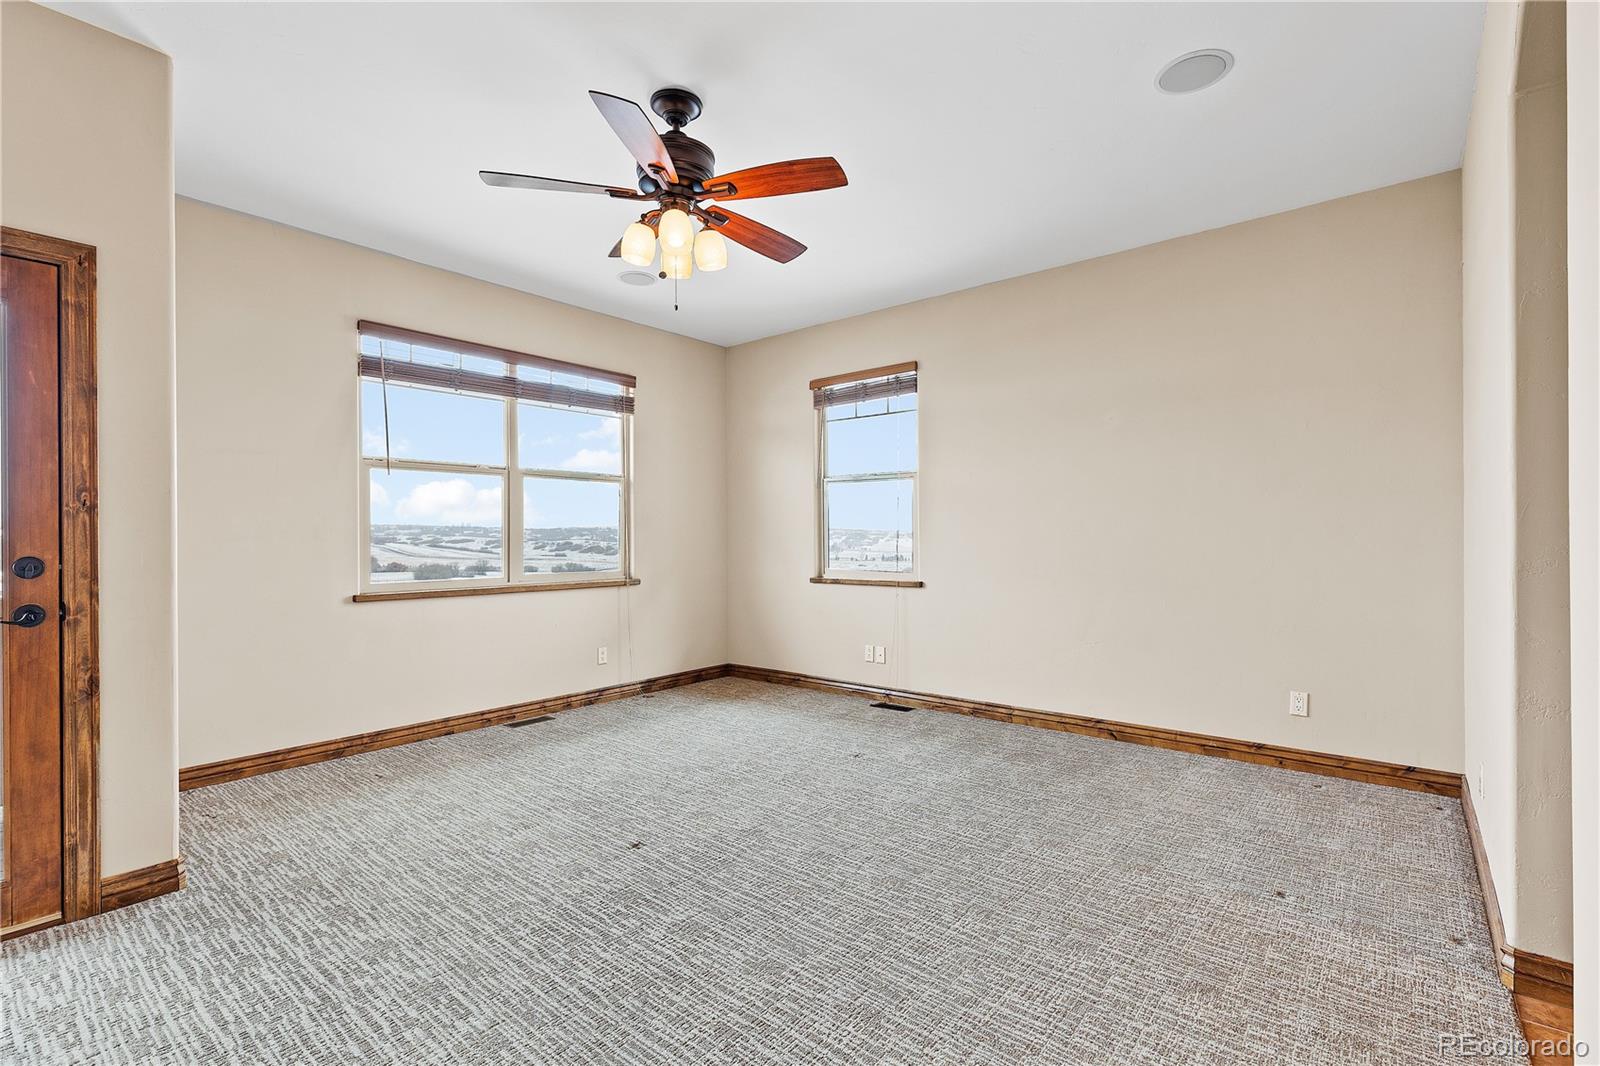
[(636, 277), (1194, 71)]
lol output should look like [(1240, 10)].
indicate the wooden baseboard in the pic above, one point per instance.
[(1541, 991), (1491, 899), (1371, 771), (1541, 987), (213, 773), (147, 882)]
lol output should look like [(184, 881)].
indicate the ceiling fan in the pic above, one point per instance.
[(678, 173)]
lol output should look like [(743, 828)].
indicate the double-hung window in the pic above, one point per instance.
[(867, 475), (491, 470)]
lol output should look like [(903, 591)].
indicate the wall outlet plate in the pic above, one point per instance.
[(1300, 704), (600, 656), (866, 653), (878, 655)]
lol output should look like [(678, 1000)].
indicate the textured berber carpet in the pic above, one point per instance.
[(743, 873)]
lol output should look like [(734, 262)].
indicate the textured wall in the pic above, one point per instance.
[(1489, 453), (1543, 590), (1583, 346), (1165, 487), (1517, 645), (87, 155), (273, 651)]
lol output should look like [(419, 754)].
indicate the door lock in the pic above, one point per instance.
[(27, 616), (28, 566)]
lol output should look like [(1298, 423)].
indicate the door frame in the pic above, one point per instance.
[(80, 566)]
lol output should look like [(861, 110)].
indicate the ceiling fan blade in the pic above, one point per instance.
[(780, 179), (634, 128), (528, 181), (616, 250), (752, 234)]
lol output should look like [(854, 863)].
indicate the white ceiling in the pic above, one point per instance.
[(981, 141)]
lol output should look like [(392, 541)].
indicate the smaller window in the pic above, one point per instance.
[(867, 474)]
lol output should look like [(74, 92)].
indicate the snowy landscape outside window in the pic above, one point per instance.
[(484, 467), (867, 472)]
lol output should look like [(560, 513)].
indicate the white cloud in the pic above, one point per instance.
[(380, 495), (453, 503), (372, 443), (593, 459), (610, 430)]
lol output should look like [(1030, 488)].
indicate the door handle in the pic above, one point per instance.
[(27, 616)]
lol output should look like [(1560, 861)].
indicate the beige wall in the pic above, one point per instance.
[(1165, 487), (274, 651), (1489, 453), (1583, 346), (1516, 639), (1543, 590), (86, 154)]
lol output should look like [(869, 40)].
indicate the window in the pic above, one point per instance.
[(867, 475), (484, 469)]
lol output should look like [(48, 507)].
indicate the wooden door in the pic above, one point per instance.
[(30, 592)]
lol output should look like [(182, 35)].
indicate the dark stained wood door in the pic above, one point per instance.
[(30, 586)]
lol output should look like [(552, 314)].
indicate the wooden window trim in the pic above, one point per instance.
[(863, 375), (493, 590), (80, 581), (890, 583)]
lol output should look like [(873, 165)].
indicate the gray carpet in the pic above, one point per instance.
[(743, 873)]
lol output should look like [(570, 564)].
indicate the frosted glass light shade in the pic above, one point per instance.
[(710, 250), (677, 232), (678, 265), (639, 245)]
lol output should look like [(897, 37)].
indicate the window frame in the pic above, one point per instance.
[(822, 575), (513, 476)]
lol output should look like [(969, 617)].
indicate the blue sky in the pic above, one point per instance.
[(426, 424), (872, 438)]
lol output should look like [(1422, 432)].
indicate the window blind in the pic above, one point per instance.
[(879, 383), (568, 384)]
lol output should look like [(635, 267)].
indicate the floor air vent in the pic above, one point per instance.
[(531, 721), (891, 706)]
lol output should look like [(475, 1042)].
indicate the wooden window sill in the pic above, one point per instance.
[(880, 582), (492, 590)]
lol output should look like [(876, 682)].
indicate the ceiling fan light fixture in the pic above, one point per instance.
[(677, 232), (639, 245), (710, 250), (678, 266)]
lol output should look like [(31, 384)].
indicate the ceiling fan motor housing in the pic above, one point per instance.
[(692, 159)]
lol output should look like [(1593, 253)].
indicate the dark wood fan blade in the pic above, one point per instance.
[(528, 181), (616, 250), (780, 179), (753, 235), (634, 128)]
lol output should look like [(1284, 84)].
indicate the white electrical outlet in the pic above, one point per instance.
[(600, 657), (878, 656), (866, 653), (1300, 704)]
